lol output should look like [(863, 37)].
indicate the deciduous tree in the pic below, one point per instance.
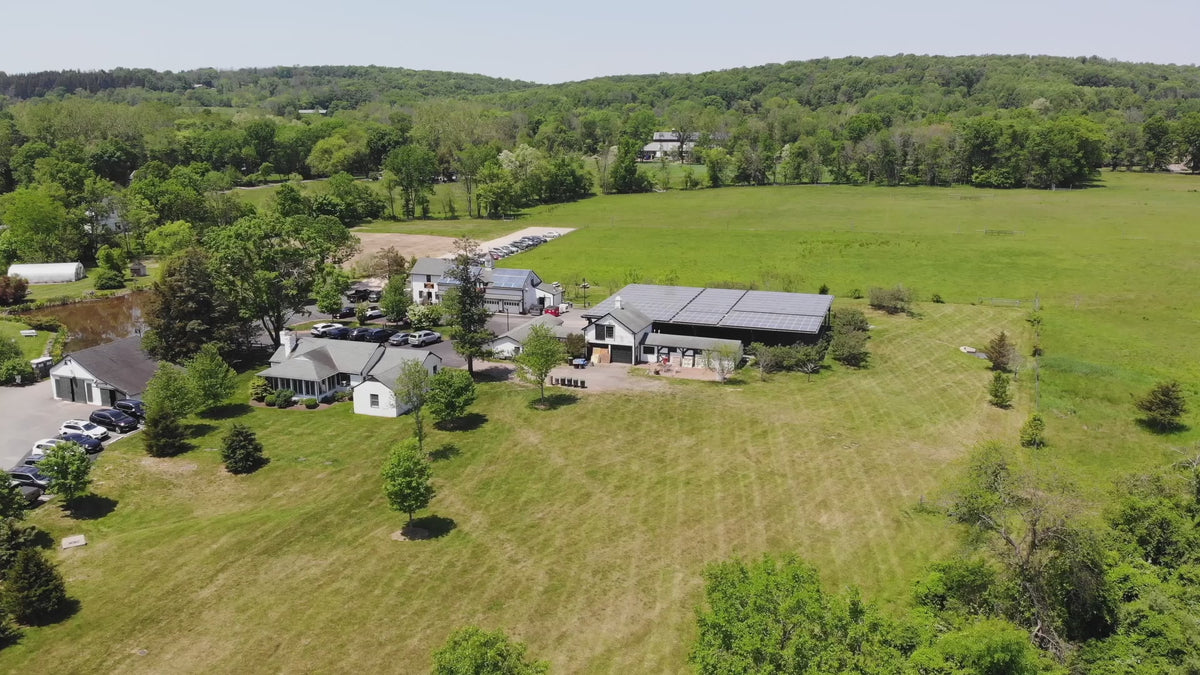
[(407, 478), (210, 380), (412, 391), (451, 392), (69, 469), (187, 310), (541, 352)]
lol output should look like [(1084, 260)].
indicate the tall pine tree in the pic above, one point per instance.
[(34, 592), (469, 314)]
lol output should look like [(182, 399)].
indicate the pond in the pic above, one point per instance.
[(97, 322)]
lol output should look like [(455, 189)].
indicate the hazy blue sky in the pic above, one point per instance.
[(571, 40)]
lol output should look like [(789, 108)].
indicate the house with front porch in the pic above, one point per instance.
[(320, 367)]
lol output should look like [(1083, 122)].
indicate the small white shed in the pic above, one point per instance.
[(47, 273)]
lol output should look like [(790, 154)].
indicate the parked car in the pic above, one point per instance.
[(422, 338), (346, 312), (509, 249), (320, 329), (374, 296), (398, 339), (132, 407), (84, 427), (359, 333), (373, 312), (113, 420), (340, 333), (379, 335), (90, 445), (31, 493), (551, 234), (552, 310), (43, 446), (28, 475), (357, 294)]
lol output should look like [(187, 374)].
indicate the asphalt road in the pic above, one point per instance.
[(29, 414)]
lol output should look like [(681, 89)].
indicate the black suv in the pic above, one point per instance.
[(113, 420), (344, 313), (379, 335), (359, 334), (132, 407)]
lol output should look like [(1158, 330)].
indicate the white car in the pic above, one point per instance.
[(319, 329), (551, 235), (43, 446), (84, 427), (374, 312), (424, 337)]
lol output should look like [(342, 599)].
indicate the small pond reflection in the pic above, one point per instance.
[(99, 321)]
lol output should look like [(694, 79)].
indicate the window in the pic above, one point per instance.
[(604, 332), (88, 385), (374, 400), (648, 350)]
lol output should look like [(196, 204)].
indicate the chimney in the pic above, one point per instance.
[(617, 303), (288, 340)]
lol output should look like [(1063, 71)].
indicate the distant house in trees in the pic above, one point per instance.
[(666, 144)]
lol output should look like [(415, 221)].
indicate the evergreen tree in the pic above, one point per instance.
[(12, 503), (998, 394), (1163, 406), (34, 592), (1033, 432), (1001, 351), (163, 434), (14, 538), (468, 312), (241, 450)]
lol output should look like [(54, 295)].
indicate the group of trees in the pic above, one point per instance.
[(83, 168), (173, 393)]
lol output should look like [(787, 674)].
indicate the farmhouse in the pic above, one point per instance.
[(505, 290), (509, 344), (318, 368), (644, 323), (104, 374), (666, 144), (47, 273)]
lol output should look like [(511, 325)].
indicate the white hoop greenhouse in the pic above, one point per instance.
[(48, 273)]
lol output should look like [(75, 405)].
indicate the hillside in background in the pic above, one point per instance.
[(905, 85)]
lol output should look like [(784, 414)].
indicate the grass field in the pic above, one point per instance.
[(584, 530), (85, 285), (32, 348)]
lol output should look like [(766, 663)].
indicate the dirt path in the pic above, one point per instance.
[(432, 246)]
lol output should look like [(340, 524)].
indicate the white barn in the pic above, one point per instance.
[(104, 374), (47, 273)]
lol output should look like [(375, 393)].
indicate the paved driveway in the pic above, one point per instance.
[(29, 414)]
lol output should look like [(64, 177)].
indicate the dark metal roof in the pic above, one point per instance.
[(122, 364), (764, 310)]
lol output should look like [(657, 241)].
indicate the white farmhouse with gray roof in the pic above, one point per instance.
[(512, 290), (509, 344), (319, 367)]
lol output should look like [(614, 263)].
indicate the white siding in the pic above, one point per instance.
[(505, 348), (385, 398), (68, 369), (621, 334)]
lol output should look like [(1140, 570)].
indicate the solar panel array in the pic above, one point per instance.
[(762, 310), (509, 278)]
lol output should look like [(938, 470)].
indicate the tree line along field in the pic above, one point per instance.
[(583, 531)]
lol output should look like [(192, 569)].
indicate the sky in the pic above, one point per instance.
[(561, 41)]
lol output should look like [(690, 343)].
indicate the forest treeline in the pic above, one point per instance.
[(88, 158)]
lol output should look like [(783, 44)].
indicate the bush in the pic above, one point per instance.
[(849, 348), (424, 317), (311, 403), (16, 370), (937, 298), (340, 396), (856, 294), (259, 389), (284, 398), (107, 280), (850, 319), (269, 401), (13, 290), (823, 290), (241, 450), (1033, 432), (576, 345), (891, 300)]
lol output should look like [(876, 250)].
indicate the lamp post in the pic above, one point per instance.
[(584, 286)]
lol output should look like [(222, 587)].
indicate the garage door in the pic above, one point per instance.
[(619, 354)]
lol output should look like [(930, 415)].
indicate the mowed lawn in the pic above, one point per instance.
[(31, 347), (583, 530), (1116, 269)]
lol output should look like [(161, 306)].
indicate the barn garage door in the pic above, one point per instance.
[(619, 354)]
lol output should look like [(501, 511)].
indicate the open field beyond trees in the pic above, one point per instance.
[(584, 530)]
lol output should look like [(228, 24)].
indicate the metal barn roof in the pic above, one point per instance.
[(733, 308)]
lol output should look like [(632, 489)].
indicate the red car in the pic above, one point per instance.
[(552, 311)]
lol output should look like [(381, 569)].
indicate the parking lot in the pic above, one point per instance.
[(29, 414)]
